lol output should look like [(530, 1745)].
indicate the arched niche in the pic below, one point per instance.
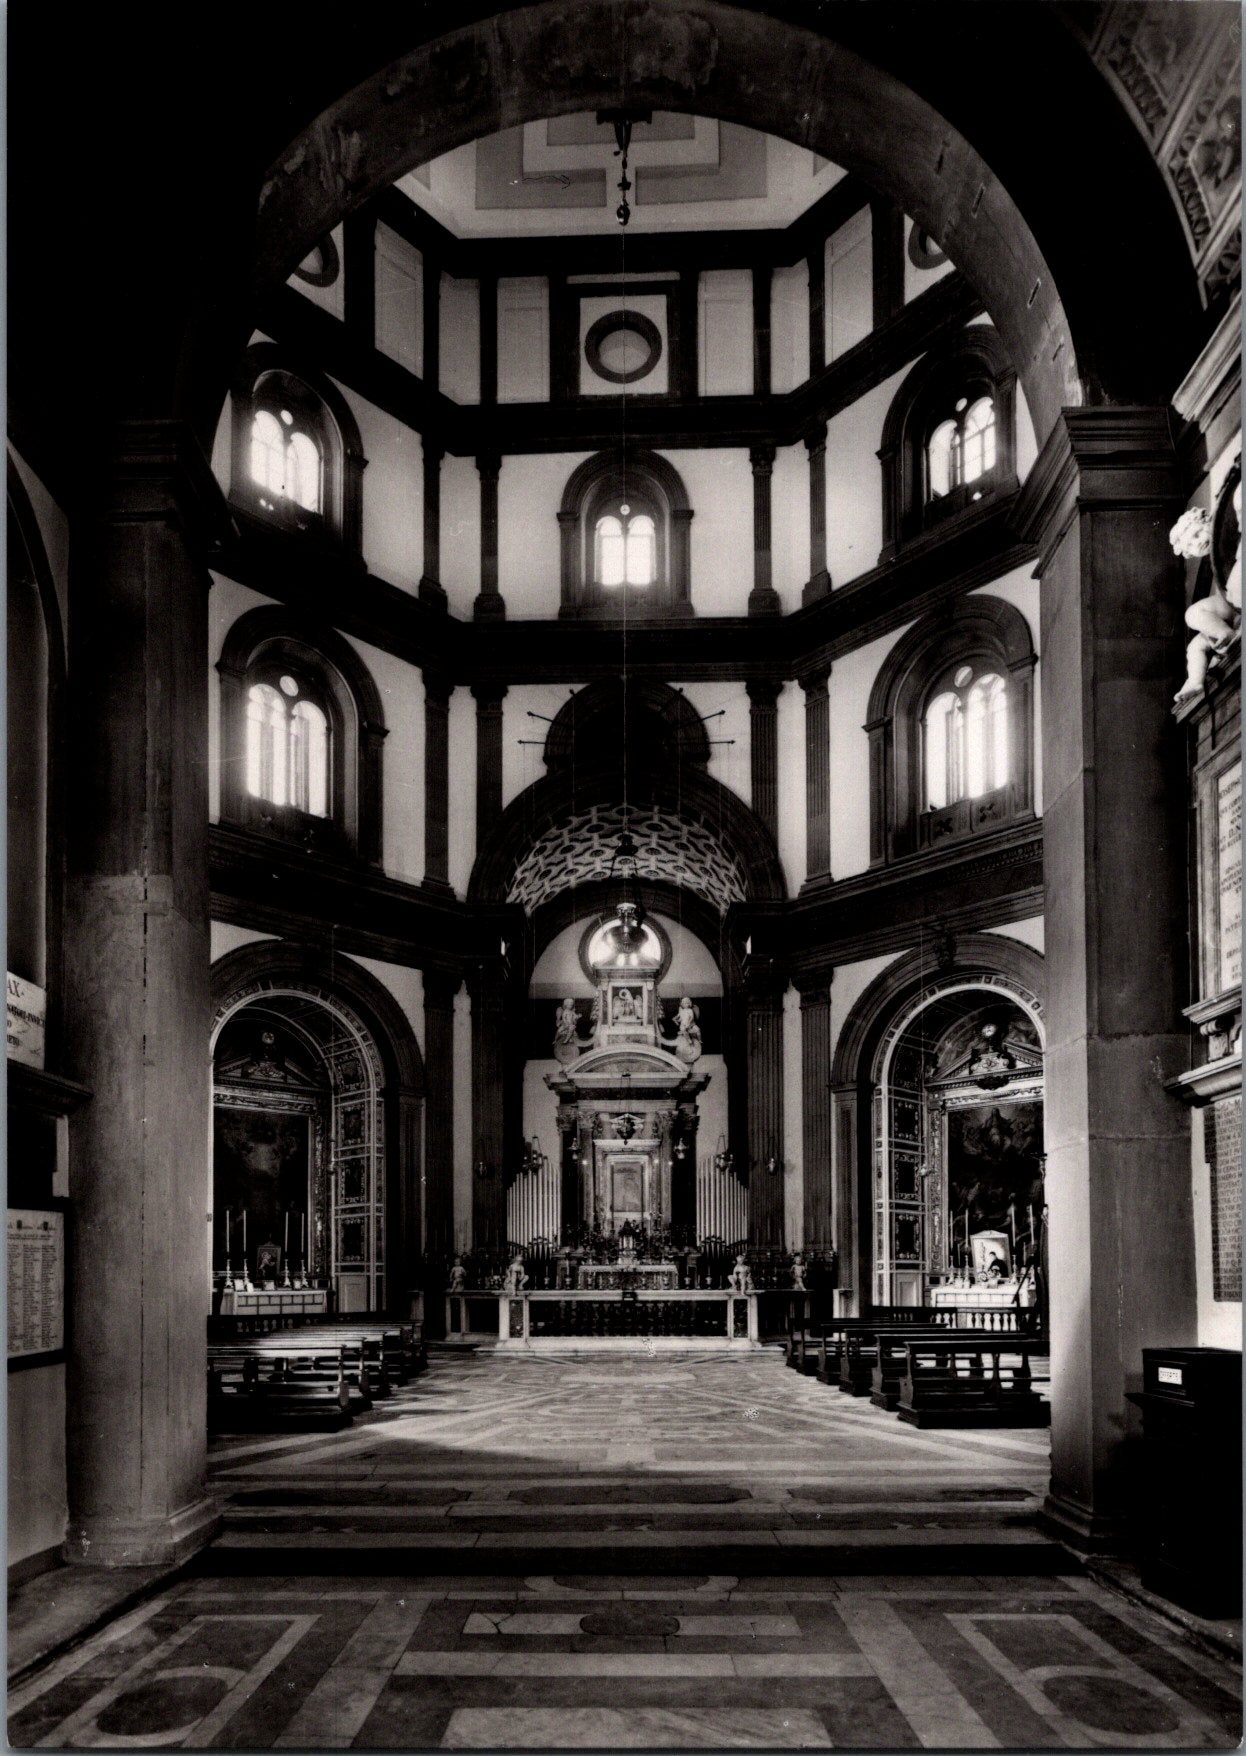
[(985, 964), (342, 1014)]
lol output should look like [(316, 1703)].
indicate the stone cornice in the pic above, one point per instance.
[(1097, 458), (1209, 396)]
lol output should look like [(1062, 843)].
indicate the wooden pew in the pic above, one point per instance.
[(857, 1353), (983, 1382), (250, 1391)]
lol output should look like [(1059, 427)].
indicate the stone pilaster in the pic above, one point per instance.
[(762, 278), (817, 777), (819, 583), (490, 606), (437, 693), (1099, 503), (763, 728), (763, 1001), (487, 987), (763, 600), (440, 987), (815, 1097), (136, 1011), (489, 698), (432, 592)]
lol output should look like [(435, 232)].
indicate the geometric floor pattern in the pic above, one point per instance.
[(644, 1462)]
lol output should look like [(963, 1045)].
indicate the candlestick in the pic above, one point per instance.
[(1030, 1211)]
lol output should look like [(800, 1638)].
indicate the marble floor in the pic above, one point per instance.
[(649, 1552)]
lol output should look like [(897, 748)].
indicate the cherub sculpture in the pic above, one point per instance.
[(1216, 617), (741, 1277)]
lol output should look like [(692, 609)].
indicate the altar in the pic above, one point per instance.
[(995, 1296), (614, 1276)]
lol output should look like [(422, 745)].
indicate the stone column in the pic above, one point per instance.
[(137, 1007), (437, 693), (489, 698), (763, 600), (1099, 503), (762, 277), (815, 1107), (817, 778), (440, 987), (819, 584), (432, 592), (486, 986), (764, 1072), (763, 729), (490, 606)]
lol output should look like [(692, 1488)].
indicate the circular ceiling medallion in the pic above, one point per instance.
[(923, 251), (321, 266), (623, 347)]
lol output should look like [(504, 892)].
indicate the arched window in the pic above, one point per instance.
[(625, 524), (951, 730), (288, 757), (965, 739), (626, 548), (301, 734), (948, 441), (297, 458)]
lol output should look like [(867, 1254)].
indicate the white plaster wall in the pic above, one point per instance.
[(405, 985), (540, 1107), (725, 332), (791, 815), (530, 491), (393, 495), (789, 327), (1027, 443), (462, 1077), (401, 689), (462, 767), (225, 937), (729, 762), (852, 678), (789, 524), (1029, 932), (523, 340), (854, 483), (793, 1135), (460, 533), (459, 330), (850, 982), (399, 300), (37, 1500), (720, 491), (523, 762), (849, 301)]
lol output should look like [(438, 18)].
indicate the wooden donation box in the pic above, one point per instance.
[(1191, 1503)]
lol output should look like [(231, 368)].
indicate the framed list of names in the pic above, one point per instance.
[(1229, 875), (36, 1266)]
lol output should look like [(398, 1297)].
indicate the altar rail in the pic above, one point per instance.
[(560, 1317)]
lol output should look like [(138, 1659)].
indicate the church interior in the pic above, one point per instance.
[(624, 900)]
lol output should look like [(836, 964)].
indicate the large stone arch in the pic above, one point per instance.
[(275, 966), (693, 798), (876, 98)]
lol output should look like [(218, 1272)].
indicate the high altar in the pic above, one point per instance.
[(627, 1109)]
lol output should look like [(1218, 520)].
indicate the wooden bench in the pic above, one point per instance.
[(252, 1390), (850, 1351), (889, 1355), (983, 1382)]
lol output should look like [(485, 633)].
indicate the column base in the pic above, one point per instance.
[(765, 601), (817, 885), (490, 606), (1090, 1533), (818, 587), (437, 886), (433, 594), (146, 1542)]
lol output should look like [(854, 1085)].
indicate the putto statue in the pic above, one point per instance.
[(688, 1031), (566, 1032), (1216, 616), (515, 1280), (741, 1277), (458, 1276)]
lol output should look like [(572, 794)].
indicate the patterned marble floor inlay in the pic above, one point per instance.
[(648, 1462)]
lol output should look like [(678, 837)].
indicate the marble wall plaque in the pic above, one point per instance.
[(36, 1265), (27, 1011), (1229, 874)]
